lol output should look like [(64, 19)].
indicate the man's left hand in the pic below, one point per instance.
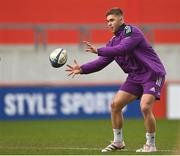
[(90, 47)]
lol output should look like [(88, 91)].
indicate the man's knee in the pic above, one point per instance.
[(145, 108), (146, 105), (116, 106)]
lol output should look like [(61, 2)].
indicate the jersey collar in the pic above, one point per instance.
[(121, 28)]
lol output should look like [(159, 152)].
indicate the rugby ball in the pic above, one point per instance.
[(58, 57)]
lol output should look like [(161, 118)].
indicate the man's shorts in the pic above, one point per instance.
[(152, 87)]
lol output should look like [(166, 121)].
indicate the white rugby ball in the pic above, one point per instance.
[(58, 57)]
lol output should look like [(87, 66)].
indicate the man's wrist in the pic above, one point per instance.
[(81, 71), (99, 51)]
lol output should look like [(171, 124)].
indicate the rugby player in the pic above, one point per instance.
[(146, 75)]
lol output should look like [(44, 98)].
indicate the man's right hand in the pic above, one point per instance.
[(74, 70)]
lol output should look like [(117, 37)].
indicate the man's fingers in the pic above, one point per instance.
[(70, 74), (73, 75), (87, 43), (88, 50), (75, 62), (69, 70), (69, 66)]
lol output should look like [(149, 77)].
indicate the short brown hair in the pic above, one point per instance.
[(114, 11)]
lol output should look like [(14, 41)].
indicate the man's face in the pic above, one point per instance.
[(114, 22)]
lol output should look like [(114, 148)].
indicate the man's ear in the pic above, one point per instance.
[(120, 18)]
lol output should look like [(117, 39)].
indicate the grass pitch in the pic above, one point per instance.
[(85, 137)]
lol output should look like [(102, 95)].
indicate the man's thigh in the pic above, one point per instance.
[(122, 98), (147, 101)]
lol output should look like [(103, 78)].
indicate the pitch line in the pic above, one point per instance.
[(75, 148)]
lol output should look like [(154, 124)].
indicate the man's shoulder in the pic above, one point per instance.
[(129, 29), (131, 26)]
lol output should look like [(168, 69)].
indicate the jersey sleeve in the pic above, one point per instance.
[(132, 38), (96, 65)]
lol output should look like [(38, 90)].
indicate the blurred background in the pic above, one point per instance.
[(31, 29)]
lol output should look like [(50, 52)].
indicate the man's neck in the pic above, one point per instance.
[(120, 26)]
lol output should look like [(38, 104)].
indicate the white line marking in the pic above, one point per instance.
[(73, 148), (50, 148)]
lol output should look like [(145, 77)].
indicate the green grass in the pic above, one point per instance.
[(82, 137)]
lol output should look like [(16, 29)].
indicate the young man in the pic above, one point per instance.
[(146, 75)]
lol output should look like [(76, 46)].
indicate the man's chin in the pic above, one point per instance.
[(113, 31)]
